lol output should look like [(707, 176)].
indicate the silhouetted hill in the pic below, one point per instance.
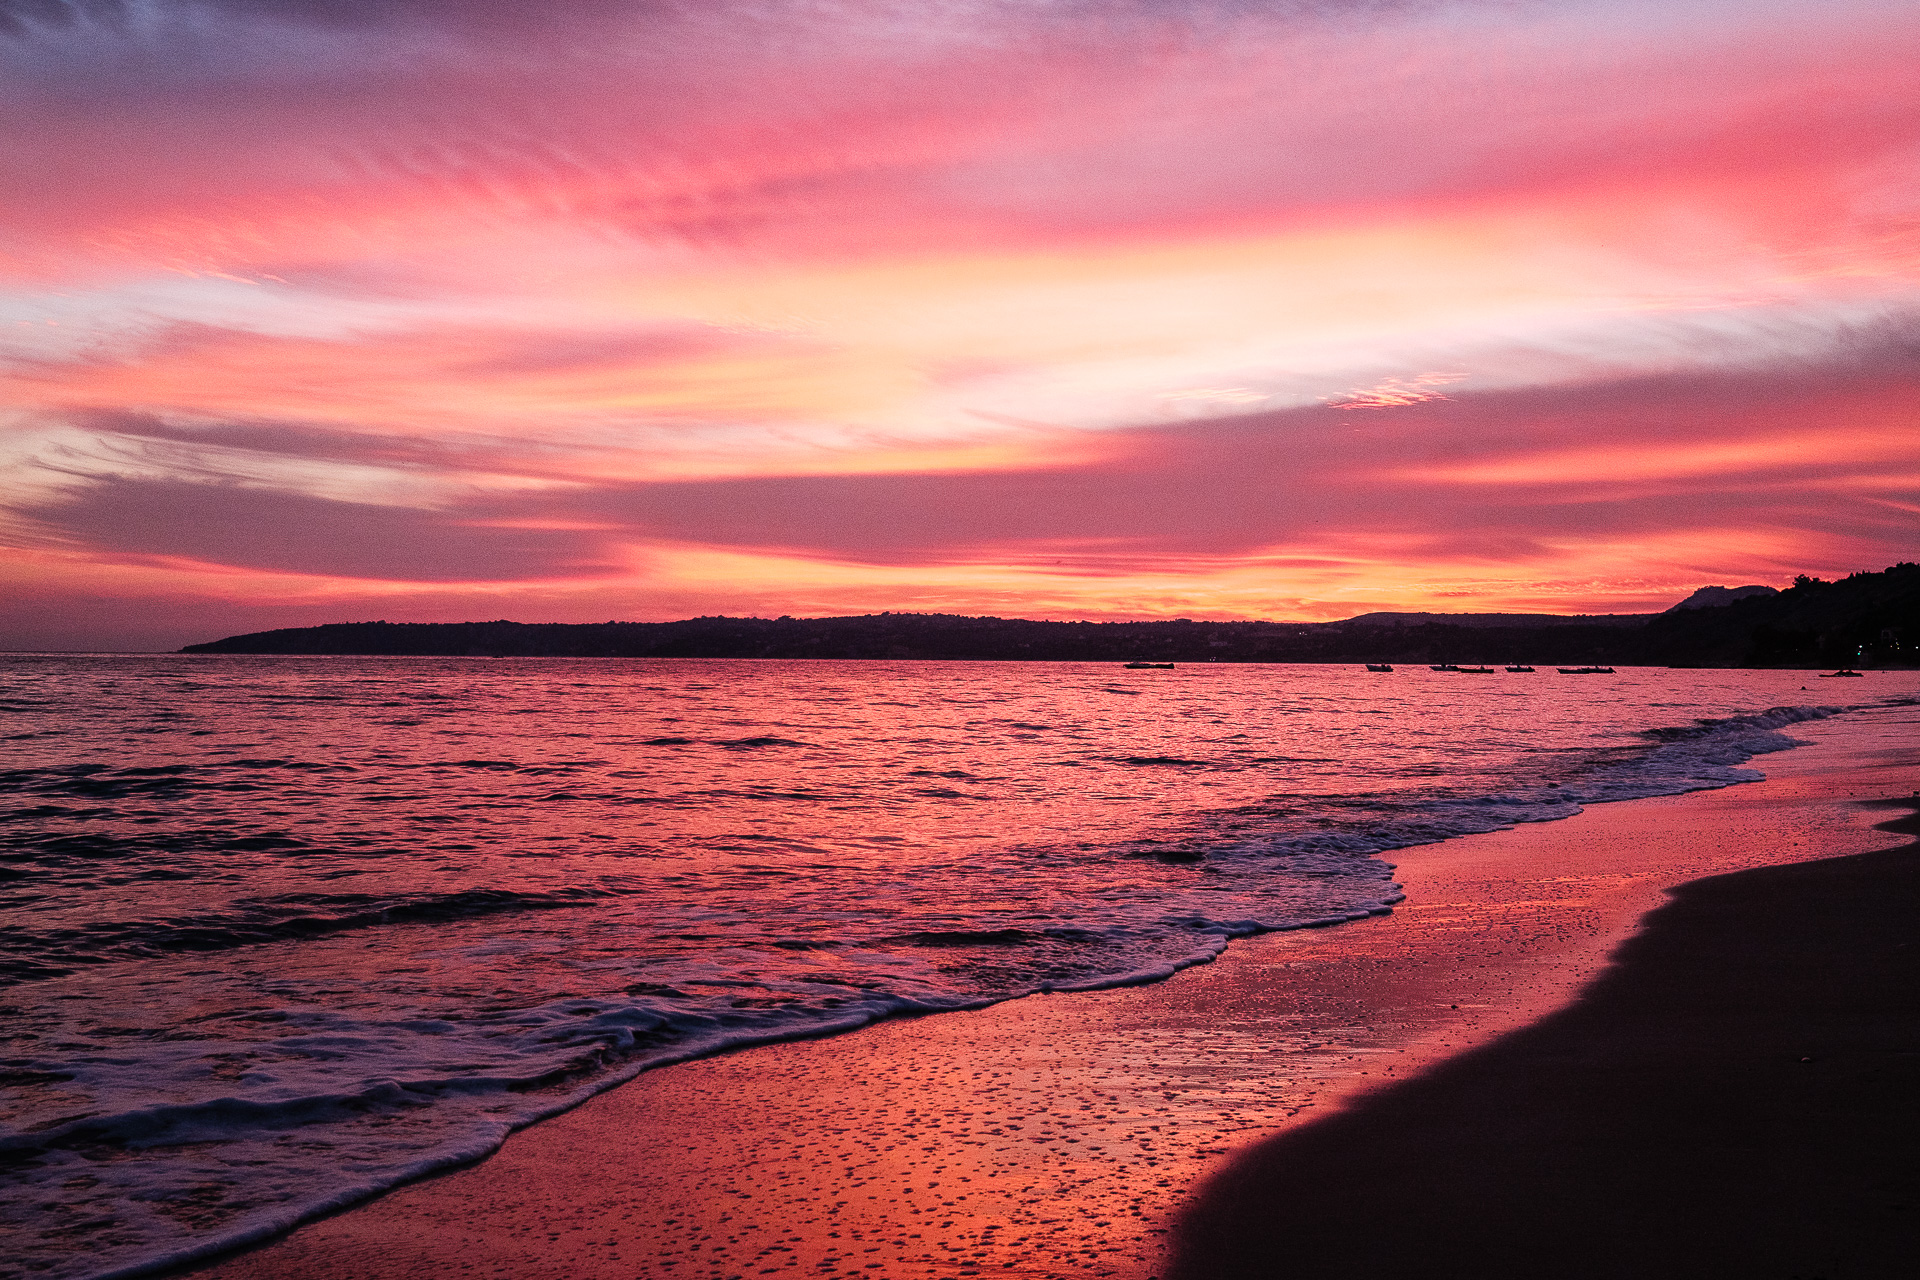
[(1714, 597), (882, 635), (1866, 618), (1511, 621)]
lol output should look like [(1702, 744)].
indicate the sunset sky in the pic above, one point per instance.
[(432, 310)]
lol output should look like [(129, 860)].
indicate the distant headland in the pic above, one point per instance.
[(1867, 619)]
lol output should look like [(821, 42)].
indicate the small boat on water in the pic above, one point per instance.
[(1149, 666), (1378, 666), (1445, 666), (1586, 671), (1528, 670), (1836, 675), (1474, 671)]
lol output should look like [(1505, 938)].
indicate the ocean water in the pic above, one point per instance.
[(281, 932)]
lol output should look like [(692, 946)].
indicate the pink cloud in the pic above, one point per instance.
[(759, 128), (411, 297), (1500, 478), (155, 521)]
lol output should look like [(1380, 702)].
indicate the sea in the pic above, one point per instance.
[(278, 933)]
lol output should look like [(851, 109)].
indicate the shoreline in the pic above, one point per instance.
[(1056, 1136), (1738, 1094)]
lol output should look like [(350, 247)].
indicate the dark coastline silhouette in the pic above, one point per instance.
[(1865, 619)]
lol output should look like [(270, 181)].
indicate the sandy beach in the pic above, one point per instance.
[(1343, 1072), (1709, 1107)]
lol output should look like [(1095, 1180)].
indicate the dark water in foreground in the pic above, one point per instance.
[(283, 931)]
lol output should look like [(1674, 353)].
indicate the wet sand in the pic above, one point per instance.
[(1739, 1095), (1061, 1136)]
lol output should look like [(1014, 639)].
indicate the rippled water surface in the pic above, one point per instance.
[(281, 931)]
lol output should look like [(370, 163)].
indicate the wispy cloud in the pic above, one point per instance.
[(1096, 305)]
